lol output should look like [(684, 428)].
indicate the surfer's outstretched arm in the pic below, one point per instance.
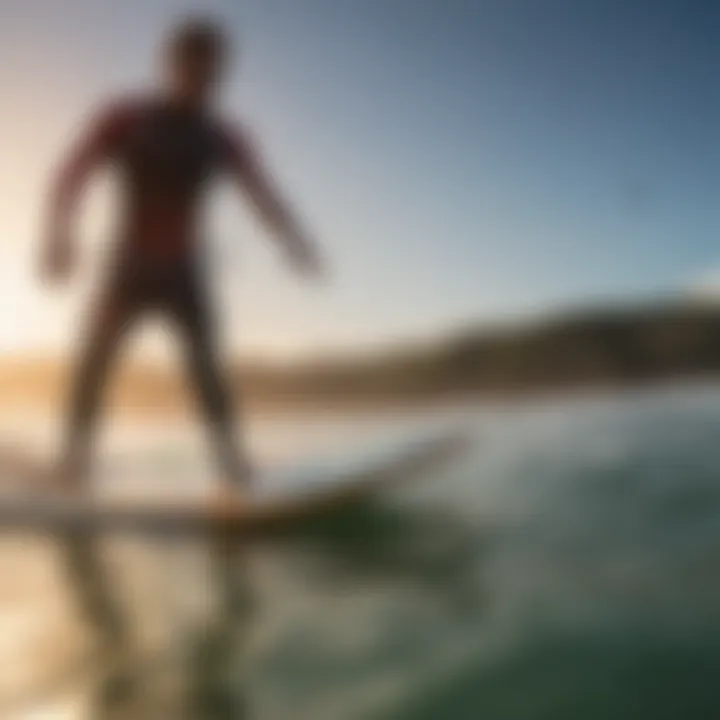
[(259, 186), (93, 148)]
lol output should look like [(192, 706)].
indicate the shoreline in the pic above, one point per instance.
[(363, 406)]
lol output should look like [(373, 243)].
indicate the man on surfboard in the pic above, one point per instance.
[(166, 147)]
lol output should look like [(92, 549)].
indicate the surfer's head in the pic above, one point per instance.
[(196, 54)]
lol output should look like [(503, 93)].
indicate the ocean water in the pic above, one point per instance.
[(564, 566)]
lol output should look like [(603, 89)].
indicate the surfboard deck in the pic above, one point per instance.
[(260, 512)]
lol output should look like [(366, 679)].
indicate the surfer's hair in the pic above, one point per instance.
[(197, 36)]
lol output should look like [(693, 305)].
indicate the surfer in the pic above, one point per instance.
[(166, 147)]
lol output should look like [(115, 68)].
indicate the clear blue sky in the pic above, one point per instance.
[(458, 159)]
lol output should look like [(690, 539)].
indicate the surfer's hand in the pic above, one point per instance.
[(58, 260), (305, 260)]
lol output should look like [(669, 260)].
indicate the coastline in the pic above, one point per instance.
[(252, 405)]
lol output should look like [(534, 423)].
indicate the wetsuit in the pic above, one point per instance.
[(165, 156)]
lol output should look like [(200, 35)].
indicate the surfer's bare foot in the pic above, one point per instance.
[(242, 480), (235, 487), (236, 469), (229, 497), (70, 479)]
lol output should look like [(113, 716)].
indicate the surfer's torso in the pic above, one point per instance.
[(165, 156)]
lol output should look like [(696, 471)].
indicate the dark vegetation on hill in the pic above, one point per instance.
[(599, 348)]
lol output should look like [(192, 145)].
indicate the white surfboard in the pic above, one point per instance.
[(279, 497)]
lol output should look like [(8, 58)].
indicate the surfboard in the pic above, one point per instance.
[(279, 497)]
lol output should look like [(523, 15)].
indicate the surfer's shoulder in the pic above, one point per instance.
[(125, 108)]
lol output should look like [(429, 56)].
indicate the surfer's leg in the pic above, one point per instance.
[(190, 307), (218, 408), (107, 325)]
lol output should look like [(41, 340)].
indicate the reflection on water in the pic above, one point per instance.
[(565, 568)]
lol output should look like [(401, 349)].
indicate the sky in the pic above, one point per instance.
[(459, 161)]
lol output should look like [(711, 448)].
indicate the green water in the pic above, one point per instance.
[(565, 567)]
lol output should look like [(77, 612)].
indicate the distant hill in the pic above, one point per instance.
[(592, 348)]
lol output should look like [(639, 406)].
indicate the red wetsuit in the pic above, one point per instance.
[(165, 156)]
